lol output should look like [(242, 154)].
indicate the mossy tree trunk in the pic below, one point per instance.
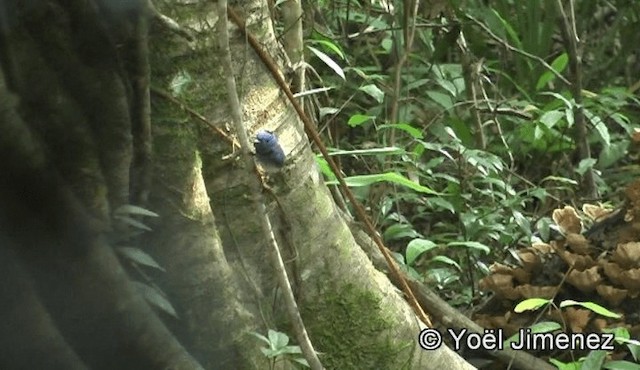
[(355, 316)]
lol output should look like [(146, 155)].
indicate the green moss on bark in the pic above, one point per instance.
[(350, 332)]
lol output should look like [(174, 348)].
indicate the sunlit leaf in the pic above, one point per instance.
[(138, 256), (373, 91), (471, 245), (358, 119), (530, 304), (132, 222), (328, 61), (370, 151), (154, 298), (134, 210), (416, 247), (365, 180), (591, 306), (331, 46)]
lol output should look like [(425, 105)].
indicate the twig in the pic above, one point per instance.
[(575, 65), (165, 95), (292, 308)]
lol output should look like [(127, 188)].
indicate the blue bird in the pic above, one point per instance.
[(268, 150)]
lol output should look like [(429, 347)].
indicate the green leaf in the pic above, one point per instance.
[(154, 298), (585, 165), (442, 99), (371, 151), (138, 256), (328, 61), (531, 304), (522, 222), (591, 306), (600, 126), (331, 46), (324, 168), (620, 365), (132, 222), (566, 366), (472, 245), (416, 247), (358, 119), (400, 231), (510, 31), (301, 361), (446, 260), (365, 180), (594, 360), (374, 92), (541, 327), (259, 336), (442, 203), (277, 339), (559, 64), (550, 118), (134, 210), (414, 132), (180, 82)]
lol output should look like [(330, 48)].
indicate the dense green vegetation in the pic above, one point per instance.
[(456, 122)]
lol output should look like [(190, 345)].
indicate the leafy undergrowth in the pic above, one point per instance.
[(585, 280)]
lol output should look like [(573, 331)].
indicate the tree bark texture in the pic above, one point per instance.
[(355, 317)]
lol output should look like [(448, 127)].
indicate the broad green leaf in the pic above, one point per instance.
[(154, 298), (541, 327), (373, 91), (301, 361), (414, 132), (443, 100), (600, 126), (277, 339), (438, 202), (471, 245), (132, 222), (620, 365), (331, 46), (584, 165), (400, 231), (134, 210), (416, 247), (180, 82), (365, 180), (138, 256), (522, 222), (566, 366), (530, 304), (446, 260), (358, 119), (591, 306), (510, 31), (559, 64), (328, 61), (550, 118), (594, 360), (372, 151), (324, 168), (324, 111), (259, 336)]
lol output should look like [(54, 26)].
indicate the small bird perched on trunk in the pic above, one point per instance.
[(268, 151)]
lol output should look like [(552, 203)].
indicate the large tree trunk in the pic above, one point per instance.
[(355, 317)]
